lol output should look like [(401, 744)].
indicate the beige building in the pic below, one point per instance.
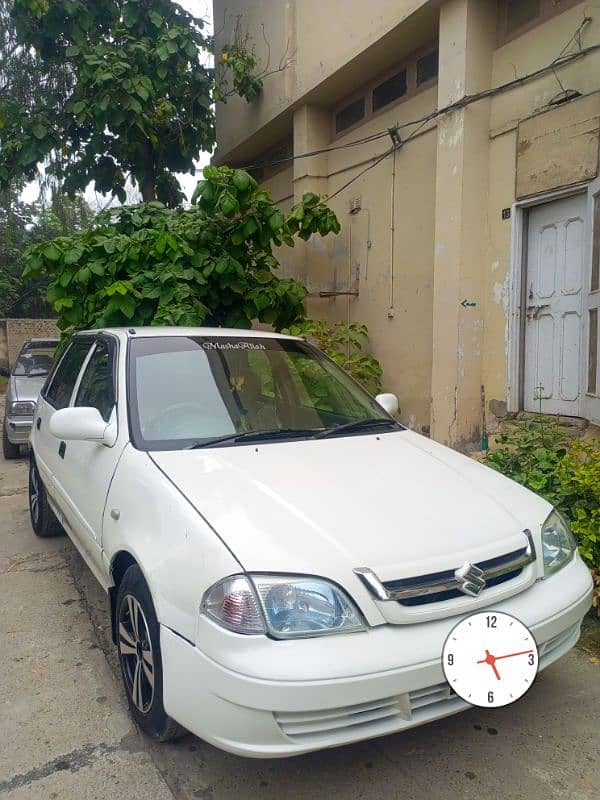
[(472, 250)]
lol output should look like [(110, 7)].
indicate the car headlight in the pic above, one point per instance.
[(558, 544), (285, 607), (22, 408)]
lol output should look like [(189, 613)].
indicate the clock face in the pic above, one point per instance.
[(490, 659)]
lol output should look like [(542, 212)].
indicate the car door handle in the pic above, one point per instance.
[(62, 449)]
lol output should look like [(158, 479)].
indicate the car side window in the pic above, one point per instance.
[(62, 383), (97, 389)]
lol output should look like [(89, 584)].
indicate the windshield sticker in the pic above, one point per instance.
[(233, 346)]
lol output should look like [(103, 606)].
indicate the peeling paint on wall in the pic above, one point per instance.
[(500, 291)]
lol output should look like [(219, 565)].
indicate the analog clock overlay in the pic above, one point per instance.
[(490, 659)]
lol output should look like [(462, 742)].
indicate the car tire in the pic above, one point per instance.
[(43, 519), (138, 643), (9, 449)]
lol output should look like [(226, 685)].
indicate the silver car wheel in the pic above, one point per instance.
[(135, 648), (34, 495)]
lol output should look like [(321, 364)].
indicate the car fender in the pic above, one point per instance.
[(179, 554)]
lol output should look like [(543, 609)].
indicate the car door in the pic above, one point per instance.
[(55, 395), (87, 468)]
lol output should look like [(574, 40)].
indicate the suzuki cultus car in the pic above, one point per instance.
[(284, 560)]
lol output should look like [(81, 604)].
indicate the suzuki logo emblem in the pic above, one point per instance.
[(470, 579)]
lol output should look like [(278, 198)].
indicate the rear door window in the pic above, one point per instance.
[(63, 381)]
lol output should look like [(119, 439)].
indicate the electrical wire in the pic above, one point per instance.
[(365, 140), (561, 61), (468, 99), (378, 160)]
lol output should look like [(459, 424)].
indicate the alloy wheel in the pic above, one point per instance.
[(137, 658), (34, 495)]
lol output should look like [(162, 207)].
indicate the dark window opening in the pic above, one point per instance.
[(350, 115), (96, 389), (427, 67), (389, 90), (593, 352), (596, 247), (63, 382), (520, 12)]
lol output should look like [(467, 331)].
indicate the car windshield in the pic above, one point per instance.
[(187, 391), (34, 362)]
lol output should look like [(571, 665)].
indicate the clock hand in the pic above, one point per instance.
[(490, 659), (510, 655)]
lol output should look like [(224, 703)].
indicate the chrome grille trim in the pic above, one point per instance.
[(449, 580)]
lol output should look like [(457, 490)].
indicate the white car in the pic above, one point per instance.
[(284, 560)]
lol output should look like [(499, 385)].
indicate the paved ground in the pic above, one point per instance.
[(66, 733)]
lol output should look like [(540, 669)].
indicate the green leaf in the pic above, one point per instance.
[(73, 255), (222, 265), (276, 221), (39, 131), (241, 180), (250, 227), (228, 204), (51, 252)]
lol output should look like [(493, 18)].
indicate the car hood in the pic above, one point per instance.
[(395, 502), (24, 388)]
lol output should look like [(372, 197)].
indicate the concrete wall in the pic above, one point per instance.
[(526, 54), (13, 332), (316, 41), (416, 252)]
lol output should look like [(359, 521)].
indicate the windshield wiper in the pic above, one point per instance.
[(254, 436), (357, 425)]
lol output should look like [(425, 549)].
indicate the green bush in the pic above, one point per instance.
[(565, 471), (344, 343)]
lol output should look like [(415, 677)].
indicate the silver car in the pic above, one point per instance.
[(26, 379)]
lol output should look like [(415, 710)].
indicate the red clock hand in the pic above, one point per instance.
[(510, 655), (490, 659)]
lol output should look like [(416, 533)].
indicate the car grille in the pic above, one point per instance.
[(393, 712), (438, 586)]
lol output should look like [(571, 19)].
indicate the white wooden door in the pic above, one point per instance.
[(553, 306), (591, 339)]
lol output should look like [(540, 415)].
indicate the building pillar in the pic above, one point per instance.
[(466, 41), (312, 131)]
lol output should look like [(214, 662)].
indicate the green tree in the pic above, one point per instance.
[(137, 102), (344, 343), (22, 225), (212, 264)]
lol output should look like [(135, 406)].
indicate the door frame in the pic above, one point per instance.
[(517, 286), (590, 402)]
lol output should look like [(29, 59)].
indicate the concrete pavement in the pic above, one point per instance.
[(66, 733)]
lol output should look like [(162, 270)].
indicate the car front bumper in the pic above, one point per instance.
[(262, 698), (18, 429)]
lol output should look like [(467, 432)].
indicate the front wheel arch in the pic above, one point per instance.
[(119, 566)]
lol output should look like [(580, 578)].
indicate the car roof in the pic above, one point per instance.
[(150, 330)]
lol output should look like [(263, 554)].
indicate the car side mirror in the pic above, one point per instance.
[(4, 372), (83, 425), (389, 403)]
